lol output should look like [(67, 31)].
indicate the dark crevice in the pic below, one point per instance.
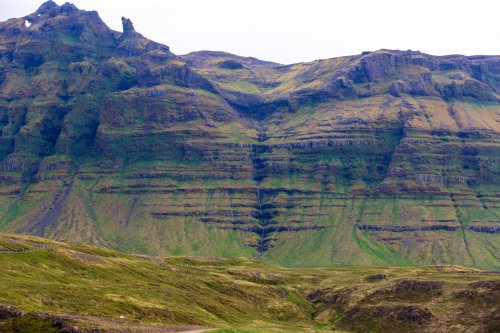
[(259, 176), (51, 127)]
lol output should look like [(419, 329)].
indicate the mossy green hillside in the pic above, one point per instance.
[(96, 287), (384, 158)]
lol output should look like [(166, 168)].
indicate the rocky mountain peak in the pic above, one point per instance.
[(52, 9), (47, 7), (68, 8), (128, 28)]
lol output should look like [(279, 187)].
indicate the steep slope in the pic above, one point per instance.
[(82, 288), (389, 157)]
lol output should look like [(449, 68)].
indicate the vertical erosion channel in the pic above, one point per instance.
[(258, 176)]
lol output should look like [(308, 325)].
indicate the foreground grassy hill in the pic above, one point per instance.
[(80, 287), (382, 158)]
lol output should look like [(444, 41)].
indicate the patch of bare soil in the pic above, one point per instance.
[(88, 258), (94, 324)]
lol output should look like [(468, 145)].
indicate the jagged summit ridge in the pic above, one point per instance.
[(52, 9), (44, 17)]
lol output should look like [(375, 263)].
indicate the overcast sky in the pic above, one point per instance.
[(289, 31)]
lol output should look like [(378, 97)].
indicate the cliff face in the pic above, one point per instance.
[(389, 157)]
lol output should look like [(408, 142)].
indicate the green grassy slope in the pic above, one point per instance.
[(95, 287)]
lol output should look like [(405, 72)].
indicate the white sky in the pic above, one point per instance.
[(289, 31)]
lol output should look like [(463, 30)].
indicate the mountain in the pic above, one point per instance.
[(384, 158), (80, 288)]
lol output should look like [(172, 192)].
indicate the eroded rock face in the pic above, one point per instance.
[(378, 277), (128, 28), (9, 311), (426, 287), (377, 66), (303, 164), (230, 64), (388, 318)]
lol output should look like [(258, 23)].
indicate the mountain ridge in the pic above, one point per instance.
[(388, 157)]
